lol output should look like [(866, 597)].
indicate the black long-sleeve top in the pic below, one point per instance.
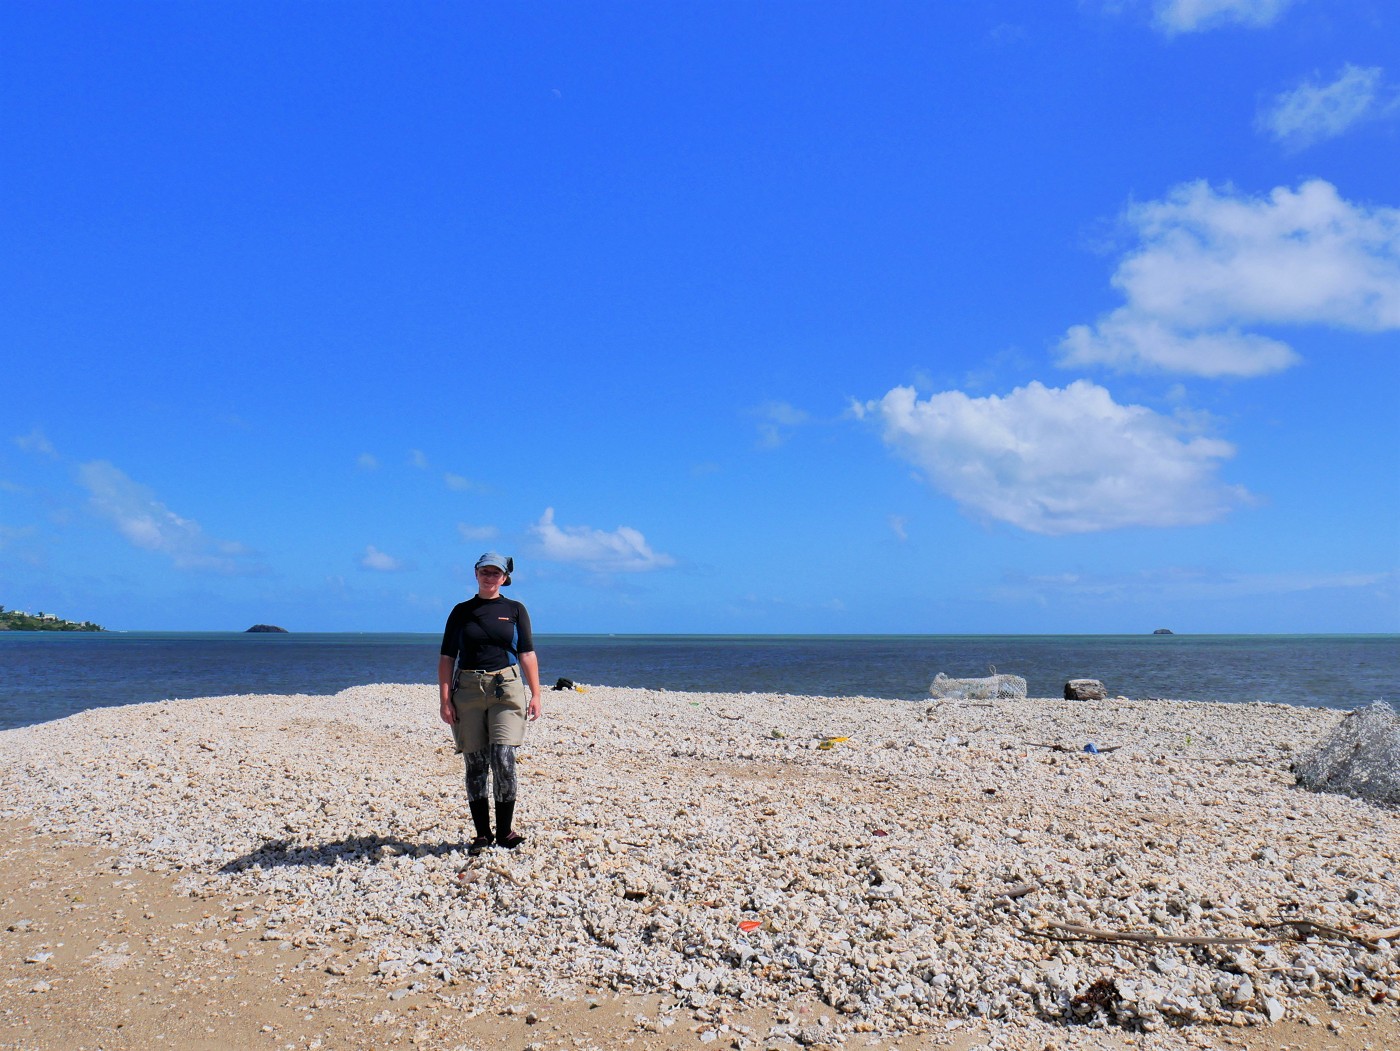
[(483, 634)]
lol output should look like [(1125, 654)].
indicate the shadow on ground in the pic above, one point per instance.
[(276, 853)]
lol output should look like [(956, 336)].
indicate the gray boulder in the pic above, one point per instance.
[(1085, 690), (1360, 758)]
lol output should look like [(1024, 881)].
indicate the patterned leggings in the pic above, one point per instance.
[(497, 760)]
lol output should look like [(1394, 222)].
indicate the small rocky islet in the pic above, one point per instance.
[(910, 864)]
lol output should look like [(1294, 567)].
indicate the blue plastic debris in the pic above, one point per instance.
[(1091, 748)]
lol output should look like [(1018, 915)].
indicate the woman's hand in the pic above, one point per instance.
[(530, 665), (447, 712)]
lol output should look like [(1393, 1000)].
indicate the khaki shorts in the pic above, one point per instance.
[(491, 708)]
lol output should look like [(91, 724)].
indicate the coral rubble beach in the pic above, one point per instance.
[(742, 870)]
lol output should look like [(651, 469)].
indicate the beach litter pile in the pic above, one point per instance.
[(912, 866)]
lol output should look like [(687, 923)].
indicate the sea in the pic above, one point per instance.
[(50, 675)]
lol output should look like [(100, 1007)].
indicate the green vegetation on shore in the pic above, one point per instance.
[(13, 620)]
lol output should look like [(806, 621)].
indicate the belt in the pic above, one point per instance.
[(504, 674)]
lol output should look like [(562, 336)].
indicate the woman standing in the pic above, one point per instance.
[(483, 699)]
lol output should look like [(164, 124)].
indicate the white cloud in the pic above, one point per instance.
[(418, 459), (1312, 112), (37, 442), (898, 526), (456, 482), (1057, 461), (367, 462), (1210, 262), (148, 524), (1129, 341), (471, 533), (377, 560), (1189, 16), (1180, 583), (777, 421), (623, 550)]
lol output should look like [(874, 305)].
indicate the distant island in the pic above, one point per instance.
[(18, 620), (1164, 631), (269, 627)]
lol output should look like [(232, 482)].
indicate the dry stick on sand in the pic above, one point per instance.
[(1066, 748), (1073, 932), (1303, 928)]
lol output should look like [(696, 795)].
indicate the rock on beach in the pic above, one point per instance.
[(911, 865)]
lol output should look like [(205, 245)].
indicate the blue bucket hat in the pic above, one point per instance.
[(504, 563)]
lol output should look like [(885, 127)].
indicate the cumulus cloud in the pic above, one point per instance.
[(148, 524), (1312, 112), (418, 458), (1190, 16), (380, 562), (456, 482), (899, 526), (624, 550), (1210, 262), (470, 533), (1056, 461), (367, 462)]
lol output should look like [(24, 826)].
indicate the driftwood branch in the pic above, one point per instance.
[(1305, 927), (1073, 932)]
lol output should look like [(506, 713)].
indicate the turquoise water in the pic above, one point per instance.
[(48, 675)]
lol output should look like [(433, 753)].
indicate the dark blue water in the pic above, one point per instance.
[(47, 675)]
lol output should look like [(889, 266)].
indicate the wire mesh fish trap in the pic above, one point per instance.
[(992, 687), (1361, 757)]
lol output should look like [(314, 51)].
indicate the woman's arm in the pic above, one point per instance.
[(446, 712), (530, 664)]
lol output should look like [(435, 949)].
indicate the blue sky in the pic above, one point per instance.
[(720, 317)]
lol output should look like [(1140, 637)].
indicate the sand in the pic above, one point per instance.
[(282, 872)]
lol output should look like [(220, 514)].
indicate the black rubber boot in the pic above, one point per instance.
[(505, 815), (505, 835), (481, 817)]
